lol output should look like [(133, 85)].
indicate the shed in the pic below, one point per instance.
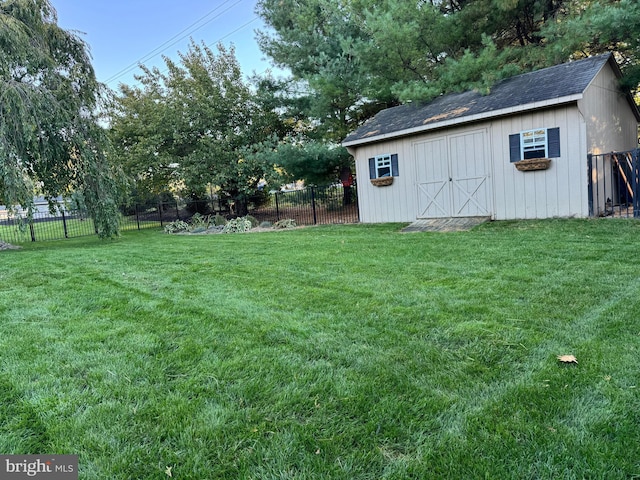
[(519, 152)]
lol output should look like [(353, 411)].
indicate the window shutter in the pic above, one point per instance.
[(514, 147), (394, 165), (372, 168), (553, 142)]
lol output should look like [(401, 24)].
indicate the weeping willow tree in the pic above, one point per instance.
[(50, 140)]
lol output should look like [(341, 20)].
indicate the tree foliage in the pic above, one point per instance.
[(524, 35), (320, 42), (50, 139), (315, 162), (297, 148), (192, 124), (358, 56), (591, 27)]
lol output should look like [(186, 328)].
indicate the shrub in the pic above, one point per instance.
[(259, 198), (199, 220), (176, 227), (286, 223), (240, 224), (253, 220), (219, 220)]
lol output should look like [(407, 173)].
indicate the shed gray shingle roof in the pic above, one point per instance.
[(558, 82)]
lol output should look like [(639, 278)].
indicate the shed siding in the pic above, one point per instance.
[(556, 192), (611, 125), (560, 191), (390, 203)]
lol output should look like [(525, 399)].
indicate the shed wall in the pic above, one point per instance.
[(559, 191), (611, 127), (393, 203), (611, 124)]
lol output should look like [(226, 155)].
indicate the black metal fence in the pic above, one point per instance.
[(614, 184), (310, 206), (44, 226)]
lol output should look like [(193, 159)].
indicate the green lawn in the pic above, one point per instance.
[(340, 352)]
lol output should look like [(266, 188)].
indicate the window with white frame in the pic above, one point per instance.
[(536, 143), (533, 143), (385, 165)]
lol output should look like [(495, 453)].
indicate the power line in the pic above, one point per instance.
[(241, 27), (175, 39)]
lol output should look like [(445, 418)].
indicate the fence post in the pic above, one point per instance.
[(635, 176), (64, 224), (313, 205), (357, 202), (177, 211), (137, 217), (160, 212), (277, 208), (590, 184), (32, 231)]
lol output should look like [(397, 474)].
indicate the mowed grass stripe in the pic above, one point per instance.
[(550, 402), (331, 352)]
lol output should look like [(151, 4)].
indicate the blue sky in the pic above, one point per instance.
[(123, 33)]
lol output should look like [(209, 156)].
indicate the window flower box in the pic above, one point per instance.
[(382, 181), (533, 164)]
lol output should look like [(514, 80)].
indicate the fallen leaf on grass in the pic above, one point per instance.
[(567, 359), (168, 472)]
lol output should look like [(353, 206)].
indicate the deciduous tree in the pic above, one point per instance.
[(50, 139), (192, 125)]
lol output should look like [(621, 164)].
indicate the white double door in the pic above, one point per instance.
[(452, 176)]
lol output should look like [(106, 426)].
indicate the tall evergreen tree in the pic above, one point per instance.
[(357, 56), (590, 27), (319, 41)]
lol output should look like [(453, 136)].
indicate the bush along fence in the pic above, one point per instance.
[(332, 204)]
